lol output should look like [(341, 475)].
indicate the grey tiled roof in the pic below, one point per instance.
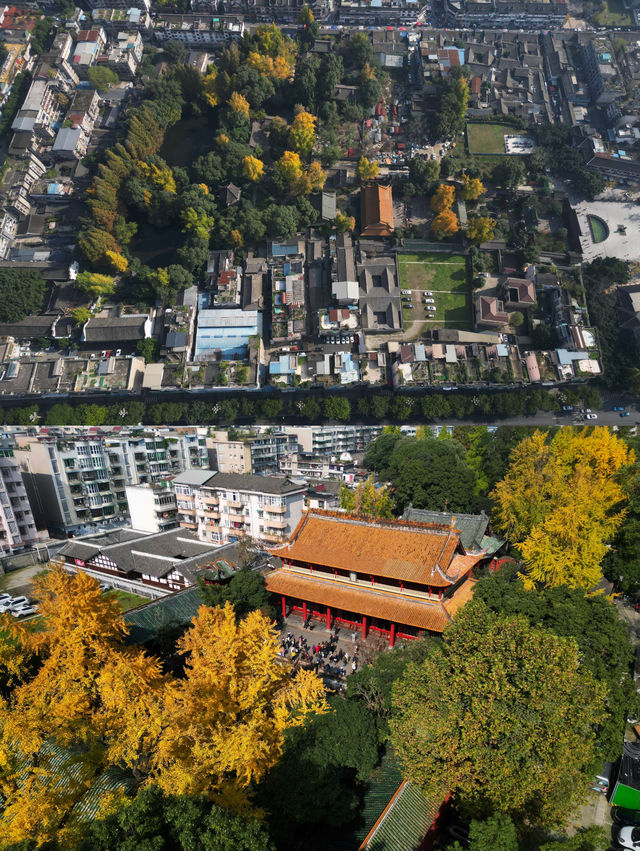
[(255, 484), (472, 526)]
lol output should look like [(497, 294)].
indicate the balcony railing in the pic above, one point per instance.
[(275, 509), (267, 536)]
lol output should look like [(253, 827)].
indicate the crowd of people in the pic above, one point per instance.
[(325, 657)]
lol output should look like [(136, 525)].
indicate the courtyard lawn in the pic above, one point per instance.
[(445, 275), (613, 14), (486, 138), (126, 600)]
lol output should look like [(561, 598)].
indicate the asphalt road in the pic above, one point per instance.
[(605, 418)]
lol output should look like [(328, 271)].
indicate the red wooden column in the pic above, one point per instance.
[(284, 606), (364, 626), (328, 618), (304, 610), (392, 635)]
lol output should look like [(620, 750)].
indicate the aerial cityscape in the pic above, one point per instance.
[(319, 425)]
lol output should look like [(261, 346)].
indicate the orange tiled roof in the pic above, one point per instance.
[(398, 549), (422, 614), (461, 596), (461, 565), (377, 210)]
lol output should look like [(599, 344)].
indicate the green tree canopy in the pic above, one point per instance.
[(21, 293), (102, 78), (314, 786), (593, 623), (373, 683), (175, 50), (149, 349), (245, 591), (509, 172), (155, 820), (367, 500), (502, 715), (426, 473)]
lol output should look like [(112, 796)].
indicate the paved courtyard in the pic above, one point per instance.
[(624, 246)]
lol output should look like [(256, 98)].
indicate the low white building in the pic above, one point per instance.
[(225, 507)]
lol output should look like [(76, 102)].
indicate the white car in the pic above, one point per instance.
[(593, 417), (5, 598), (406, 292), (428, 292), (629, 837), (430, 307), (429, 301), (18, 603), (25, 611)]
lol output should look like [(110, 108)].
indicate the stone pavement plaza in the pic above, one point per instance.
[(624, 246)]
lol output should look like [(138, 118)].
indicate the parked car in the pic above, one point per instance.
[(618, 408), (408, 292), (592, 416), (18, 603), (5, 598), (25, 611), (429, 301), (567, 407), (629, 837), (624, 414), (428, 292)]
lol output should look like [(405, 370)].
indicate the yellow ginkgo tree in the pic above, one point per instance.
[(561, 501), (93, 703)]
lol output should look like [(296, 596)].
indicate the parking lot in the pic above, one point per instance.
[(19, 584), (435, 291)]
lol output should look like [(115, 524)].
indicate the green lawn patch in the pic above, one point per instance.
[(486, 138), (613, 14), (445, 275), (127, 601)]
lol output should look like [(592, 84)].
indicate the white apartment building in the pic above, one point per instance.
[(77, 478), (256, 451), (332, 440), (17, 526), (152, 507), (225, 507)]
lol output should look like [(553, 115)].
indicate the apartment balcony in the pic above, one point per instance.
[(189, 511), (236, 517), (186, 524), (276, 524), (276, 509), (233, 504), (212, 515), (274, 537), (210, 500)]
